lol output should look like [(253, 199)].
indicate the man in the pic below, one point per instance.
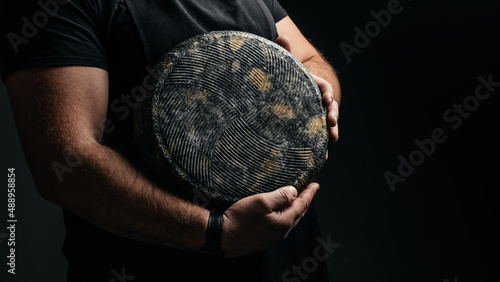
[(69, 67)]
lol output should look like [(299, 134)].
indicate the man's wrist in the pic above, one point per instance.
[(213, 235)]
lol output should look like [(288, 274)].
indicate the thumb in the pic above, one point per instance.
[(281, 198), (284, 42)]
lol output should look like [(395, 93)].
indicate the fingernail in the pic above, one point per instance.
[(293, 190)]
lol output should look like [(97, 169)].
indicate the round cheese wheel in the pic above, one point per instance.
[(232, 114)]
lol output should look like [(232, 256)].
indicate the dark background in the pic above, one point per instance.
[(440, 223)]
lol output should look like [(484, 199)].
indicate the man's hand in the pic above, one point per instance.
[(327, 91), (262, 220), (332, 107), (292, 40), (60, 110)]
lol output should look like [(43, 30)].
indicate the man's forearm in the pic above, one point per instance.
[(292, 39), (110, 192), (59, 113), (319, 66)]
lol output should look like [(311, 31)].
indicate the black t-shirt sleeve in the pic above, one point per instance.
[(277, 11), (56, 33)]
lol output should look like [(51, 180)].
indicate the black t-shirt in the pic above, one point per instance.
[(126, 38)]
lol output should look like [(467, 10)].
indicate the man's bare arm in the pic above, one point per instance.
[(60, 112), (292, 39)]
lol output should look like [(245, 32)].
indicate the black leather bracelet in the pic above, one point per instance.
[(213, 235)]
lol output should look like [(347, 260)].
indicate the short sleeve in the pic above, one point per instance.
[(51, 33), (276, 9)]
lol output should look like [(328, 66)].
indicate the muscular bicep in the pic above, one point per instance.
[(56, 110), (68, 101)]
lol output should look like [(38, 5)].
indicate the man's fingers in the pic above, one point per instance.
[(331, 105), (326, 90), (280, 198), (332, 121), (300, 205), (333, 113), (327, 93), (308, 194), (334, 133), (284, 42)]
